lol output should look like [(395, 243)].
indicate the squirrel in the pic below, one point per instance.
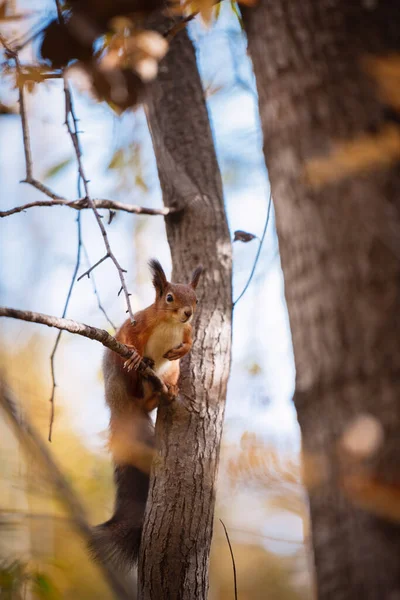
[(160, 335)]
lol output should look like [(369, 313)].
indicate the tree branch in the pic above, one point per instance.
[(52, 356), (33, 443), (73, 132), (96, 293), (232, 557), (82, 204), (90, 269), (253, 270), (92, 333)]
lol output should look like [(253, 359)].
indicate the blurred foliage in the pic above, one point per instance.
[(366, 151), (39, 547), (128, 162), (38, 538), (58, 167), (17, 577), (260, 574)]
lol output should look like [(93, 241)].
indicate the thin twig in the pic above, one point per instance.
[(33, 443), (93, 267), (82, 204), (52, 356), (59, 12), (96, 293), (76, 144), (90, 332), (73, 132), (57, 200), (258, 252), (233, 558), (76, 269), (181, 24)]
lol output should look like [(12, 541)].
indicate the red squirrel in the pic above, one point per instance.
[(161, 335)]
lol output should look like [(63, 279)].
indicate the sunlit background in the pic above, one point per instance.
[(260, 498)]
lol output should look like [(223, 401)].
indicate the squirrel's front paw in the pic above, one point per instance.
[(148, 362), (173, 391), (174, 353), (133, 361)]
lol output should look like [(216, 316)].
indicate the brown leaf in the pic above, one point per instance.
[(243, 236)]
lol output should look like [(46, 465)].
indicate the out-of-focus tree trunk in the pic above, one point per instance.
[(318, 64), (179, 516)]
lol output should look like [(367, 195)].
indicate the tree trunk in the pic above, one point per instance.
[(317, 65), (179, 515)]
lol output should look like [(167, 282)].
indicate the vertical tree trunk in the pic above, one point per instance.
[(179, 516), (339, 240)]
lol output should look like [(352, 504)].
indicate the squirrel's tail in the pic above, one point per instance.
[(118, 539)]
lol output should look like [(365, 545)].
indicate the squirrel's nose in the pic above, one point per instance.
[(188, 312)]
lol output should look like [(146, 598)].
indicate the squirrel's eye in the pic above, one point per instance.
[(170, 298), (197, 301)]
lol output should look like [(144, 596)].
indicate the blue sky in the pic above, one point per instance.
[(38, 248)]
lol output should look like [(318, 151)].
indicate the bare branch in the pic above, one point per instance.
[(93, 267), (69, 108), (233, 558), (33, 443), (92, 333), (96, 293), (73, 132), (257, 254), (52, 356), (82, 204)]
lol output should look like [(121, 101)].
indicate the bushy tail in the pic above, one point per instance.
[(118, 539)]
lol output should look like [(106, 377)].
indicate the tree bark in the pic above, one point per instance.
[(339, 236), (179, 515)]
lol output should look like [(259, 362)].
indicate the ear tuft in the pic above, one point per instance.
[(196, 276), (158, 276)]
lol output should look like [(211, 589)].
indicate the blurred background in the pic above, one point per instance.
[(260, 497)]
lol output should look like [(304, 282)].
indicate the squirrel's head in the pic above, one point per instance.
[(178, 300)]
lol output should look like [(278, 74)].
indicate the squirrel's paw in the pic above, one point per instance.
[(174, 353), (133, 361), (173, 391), (149, 362)]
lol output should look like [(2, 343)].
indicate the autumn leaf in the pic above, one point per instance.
[(236, 11), (217, 10), (31, 76), (243, 236), (57, 168), (117, 161)]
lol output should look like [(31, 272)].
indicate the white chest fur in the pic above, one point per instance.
[(164, 337)]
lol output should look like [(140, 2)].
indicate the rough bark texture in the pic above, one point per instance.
[(179, 516), (340, 255)]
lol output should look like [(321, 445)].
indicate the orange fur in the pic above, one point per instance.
[(162, 333)]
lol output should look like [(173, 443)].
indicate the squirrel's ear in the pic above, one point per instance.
[(159, 280), (196, 276)]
